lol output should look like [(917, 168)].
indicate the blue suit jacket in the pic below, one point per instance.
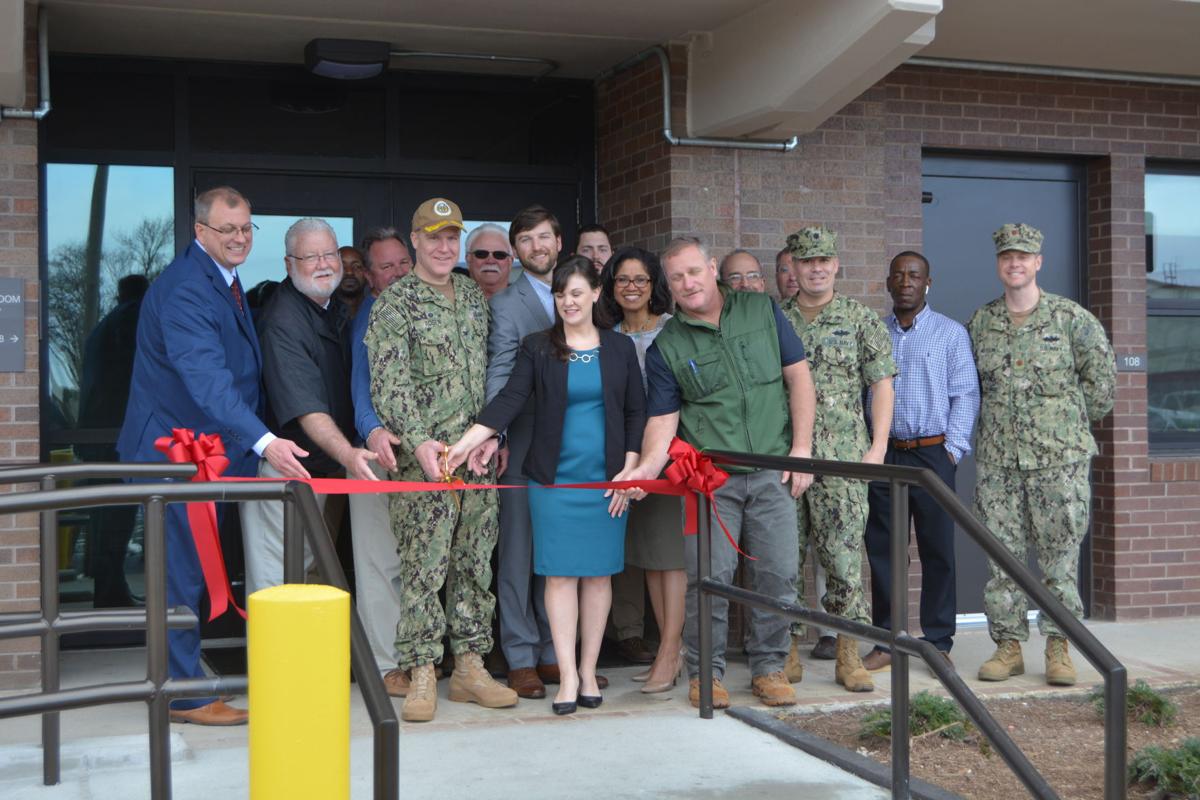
[(198, 366)]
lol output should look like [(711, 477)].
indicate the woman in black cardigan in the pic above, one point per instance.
[(589, 413)]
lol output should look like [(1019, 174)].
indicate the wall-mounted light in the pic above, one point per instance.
[(346, 59)]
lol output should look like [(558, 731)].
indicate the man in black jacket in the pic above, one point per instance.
[(304, 334)]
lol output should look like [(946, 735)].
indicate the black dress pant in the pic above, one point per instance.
[(935, 544)]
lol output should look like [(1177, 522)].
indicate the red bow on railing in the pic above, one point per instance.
[(692, 470), (208, 454)]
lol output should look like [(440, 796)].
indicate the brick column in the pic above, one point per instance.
[(19, 659), (1117, 295)]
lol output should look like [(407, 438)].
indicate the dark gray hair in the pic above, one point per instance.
[(378, 235), (738, 251)]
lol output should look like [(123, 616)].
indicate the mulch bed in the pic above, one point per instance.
[(1062, 736)]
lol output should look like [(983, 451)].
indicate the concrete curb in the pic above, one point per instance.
[(858, 765)]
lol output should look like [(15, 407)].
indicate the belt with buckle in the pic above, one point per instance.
[(913, 444)]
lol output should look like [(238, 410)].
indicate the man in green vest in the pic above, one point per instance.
[(728, 372)]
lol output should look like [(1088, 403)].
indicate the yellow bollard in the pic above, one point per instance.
[(298, 639)]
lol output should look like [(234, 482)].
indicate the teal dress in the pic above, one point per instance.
[(573, 534)]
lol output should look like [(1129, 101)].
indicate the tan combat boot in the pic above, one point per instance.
[(720, 693), (1059, 669), (850, 671), (421, 702), (396, 682), (773, 689), (1004, 663), (471, 683), (793, 668)]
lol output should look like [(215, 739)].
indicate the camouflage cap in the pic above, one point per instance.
[(813, 242), (1018, 236)]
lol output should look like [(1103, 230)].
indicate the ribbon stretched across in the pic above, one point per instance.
[(208, 454), (690, 472)]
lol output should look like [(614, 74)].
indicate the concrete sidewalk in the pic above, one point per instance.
[(634, 746)]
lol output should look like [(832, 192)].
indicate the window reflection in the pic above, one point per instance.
[(1173, 230), (109, 233)]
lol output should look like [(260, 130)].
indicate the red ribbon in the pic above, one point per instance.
[(208, 454), (690, 472), (693, 472)]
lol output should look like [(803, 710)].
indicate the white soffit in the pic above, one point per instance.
[(786, 66), (12, 54)]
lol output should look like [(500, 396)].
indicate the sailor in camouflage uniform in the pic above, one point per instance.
[(427, 341), (849, 349), (1046, 370)]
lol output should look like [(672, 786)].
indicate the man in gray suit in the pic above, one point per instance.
[(523, 308)]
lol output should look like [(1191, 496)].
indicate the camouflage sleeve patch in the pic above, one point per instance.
[(391, 380), (1095, 364), (876, 348)]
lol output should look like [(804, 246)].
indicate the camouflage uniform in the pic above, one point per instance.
[(1040, 386), (848, 349), (428, 357)]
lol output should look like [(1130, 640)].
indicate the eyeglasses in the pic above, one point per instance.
[(738, 277), (312, 259), (231, 230), (640, 281), (499, 255)]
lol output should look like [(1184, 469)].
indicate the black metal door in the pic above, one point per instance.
[(966, 199)]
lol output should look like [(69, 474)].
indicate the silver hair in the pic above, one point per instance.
[(303, 226), (739, 251), (204, 201), (487, 227), (682, 243)]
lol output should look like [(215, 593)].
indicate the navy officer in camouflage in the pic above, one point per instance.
[(427, 346), (849, 350), (1046, 371)]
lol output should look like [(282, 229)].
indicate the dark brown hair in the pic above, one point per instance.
[(566, 269), (528, 219)]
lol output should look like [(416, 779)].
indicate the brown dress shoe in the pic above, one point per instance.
[(526, 683), (215, 713), (636, 650), (877, 660), (550, 676)]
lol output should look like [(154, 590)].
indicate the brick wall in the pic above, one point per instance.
[(19, 661), (860, 172)]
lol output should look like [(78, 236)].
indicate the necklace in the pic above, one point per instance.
[(647, 326), (584, 358)]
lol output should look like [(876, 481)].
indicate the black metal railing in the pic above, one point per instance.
[(900, 641), (302, 520)]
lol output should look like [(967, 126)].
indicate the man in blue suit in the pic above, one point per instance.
[(198, 366)]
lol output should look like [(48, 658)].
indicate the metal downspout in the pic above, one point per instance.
[(664, 62), (1053, 72), (43, 77)]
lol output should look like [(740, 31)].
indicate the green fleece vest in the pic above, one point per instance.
[(730, 379)]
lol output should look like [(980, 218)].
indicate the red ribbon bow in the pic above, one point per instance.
[(207, 452), (694, 472)]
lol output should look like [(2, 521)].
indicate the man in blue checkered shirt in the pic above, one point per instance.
[(937, 401)]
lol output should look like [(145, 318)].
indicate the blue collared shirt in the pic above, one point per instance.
[(365, 418), (542, 290), (937, 389)]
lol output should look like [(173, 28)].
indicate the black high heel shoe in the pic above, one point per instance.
[(568, 707), (591, 701)]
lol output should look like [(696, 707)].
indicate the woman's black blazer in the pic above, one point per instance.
[(539, 371)]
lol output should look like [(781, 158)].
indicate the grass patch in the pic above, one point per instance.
[(1173, 772), (1142, 703), (928, 714)]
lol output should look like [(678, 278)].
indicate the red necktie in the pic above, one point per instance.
[(237, 295)]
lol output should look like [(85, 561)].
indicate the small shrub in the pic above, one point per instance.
[(1143, 704), (927, 714), (1175, 773)]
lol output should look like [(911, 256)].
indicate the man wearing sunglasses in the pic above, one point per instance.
[(743, 272), (489, 258), (198, 366)]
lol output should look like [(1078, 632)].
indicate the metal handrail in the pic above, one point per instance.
[(301, 514), (900, 641)]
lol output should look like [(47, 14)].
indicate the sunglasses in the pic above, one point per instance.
[(499, 255)]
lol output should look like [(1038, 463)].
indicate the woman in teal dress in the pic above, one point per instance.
[(589, 415)]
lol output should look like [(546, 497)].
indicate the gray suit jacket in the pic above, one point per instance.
[(516, 313)]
